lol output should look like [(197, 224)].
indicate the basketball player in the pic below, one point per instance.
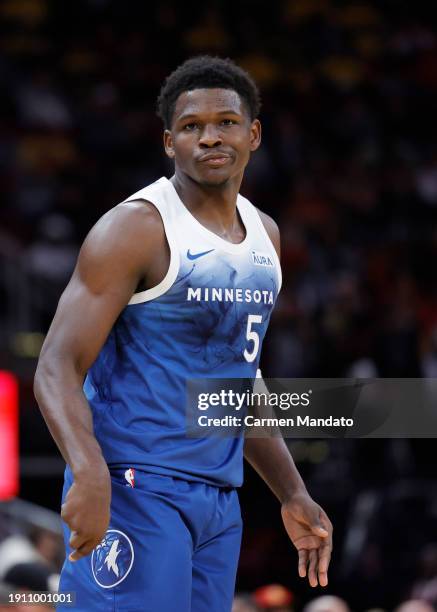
[(151, 517)]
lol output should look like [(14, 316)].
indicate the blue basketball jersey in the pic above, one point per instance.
[(206, 319)]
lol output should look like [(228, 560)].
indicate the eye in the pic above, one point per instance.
[(229, 122), (189, 127)]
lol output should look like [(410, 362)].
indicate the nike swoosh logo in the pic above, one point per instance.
[(197, 255)]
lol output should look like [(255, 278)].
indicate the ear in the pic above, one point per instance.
[(255, 135), (168, 144)]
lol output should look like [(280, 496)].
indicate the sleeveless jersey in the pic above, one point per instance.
[(206, 318)]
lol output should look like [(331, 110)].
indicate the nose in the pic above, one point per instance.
[(210, 137)]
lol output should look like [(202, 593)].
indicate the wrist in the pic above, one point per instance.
[(93, 470), (291, 493)]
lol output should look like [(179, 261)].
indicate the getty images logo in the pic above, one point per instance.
[(262, 259)]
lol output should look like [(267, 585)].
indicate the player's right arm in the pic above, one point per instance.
[(114, 259)]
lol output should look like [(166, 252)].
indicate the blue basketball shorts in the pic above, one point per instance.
[(171, 546)]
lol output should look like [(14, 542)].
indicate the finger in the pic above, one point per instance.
[(324, 559), (323, 579), (319, 531), (75, 555), (312, 568), (64, 513), (76, 539), (326, 524), (83, 551), (303, 562), (319, 527), (315, 521)]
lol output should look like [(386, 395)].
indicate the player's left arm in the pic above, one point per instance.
[(307, 524)]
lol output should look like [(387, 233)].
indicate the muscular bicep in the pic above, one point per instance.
[(84, 318), (113, 259)]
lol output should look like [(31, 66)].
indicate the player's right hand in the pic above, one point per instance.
[(86, 511)]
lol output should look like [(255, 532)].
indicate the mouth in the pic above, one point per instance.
[(214, 160)]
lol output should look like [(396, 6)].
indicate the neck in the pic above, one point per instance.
[(215, 204)]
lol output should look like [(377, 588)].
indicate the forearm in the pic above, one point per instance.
[(272, 460), (58, 391)]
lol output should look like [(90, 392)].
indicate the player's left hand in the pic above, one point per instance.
[(310, 530)]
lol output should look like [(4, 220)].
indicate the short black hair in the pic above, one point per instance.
[(207, 72)]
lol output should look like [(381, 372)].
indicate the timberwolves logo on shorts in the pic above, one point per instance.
[(112, 559)]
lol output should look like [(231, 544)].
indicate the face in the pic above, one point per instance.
[(211, 136)]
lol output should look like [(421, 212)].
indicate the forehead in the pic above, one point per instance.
[(207, 101)]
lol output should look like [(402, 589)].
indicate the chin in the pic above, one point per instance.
[(217, 183), (212, 180)]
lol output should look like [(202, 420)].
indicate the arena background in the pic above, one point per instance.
[(348, 169)]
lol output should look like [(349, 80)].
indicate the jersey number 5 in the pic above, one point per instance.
[(252, 335)]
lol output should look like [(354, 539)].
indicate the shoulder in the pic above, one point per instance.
[(272, 229), (125, 223), (126, 234), (131, 217)]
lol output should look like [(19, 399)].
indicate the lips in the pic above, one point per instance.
[(214, 159)]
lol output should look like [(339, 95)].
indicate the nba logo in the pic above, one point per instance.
[(130, 477)]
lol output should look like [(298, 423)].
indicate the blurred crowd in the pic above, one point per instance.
[(30, 562), (276, 598), (348, 169)]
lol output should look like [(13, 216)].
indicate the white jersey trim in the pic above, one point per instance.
[(248, 213), (173, 268), (269, 242), (234, 248)]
